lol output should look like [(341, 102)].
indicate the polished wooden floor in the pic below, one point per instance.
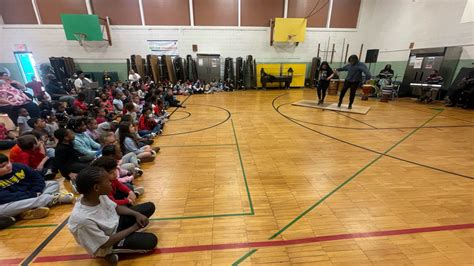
[(247, 178)]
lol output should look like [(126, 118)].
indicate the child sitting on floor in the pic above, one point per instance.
[(147, 124), (123, 193), (129, 162), (31, 152), (128, 142), (68, 160), (100, 116), (24, 192), (22, 121), (80, 102), (82, 142), (47, 138), (102, 227), (91, 131), (59, 110)]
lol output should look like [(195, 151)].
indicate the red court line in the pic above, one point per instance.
[(10, 261), (276, 243)]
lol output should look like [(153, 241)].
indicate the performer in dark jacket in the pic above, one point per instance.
[(354, 78)]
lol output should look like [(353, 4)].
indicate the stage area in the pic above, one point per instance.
[(356, 109)]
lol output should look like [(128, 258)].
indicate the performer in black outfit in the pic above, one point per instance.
[(353, 79), (388, 71), (325, 76)]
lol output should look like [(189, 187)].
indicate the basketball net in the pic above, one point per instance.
[(286, 47), (80, 37), (90, 45)]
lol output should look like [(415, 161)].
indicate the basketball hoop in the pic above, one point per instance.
[(80, 37)]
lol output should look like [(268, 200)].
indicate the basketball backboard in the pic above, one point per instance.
[(292, 30), (81, 27)]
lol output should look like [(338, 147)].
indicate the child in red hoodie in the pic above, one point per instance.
[(122, 194), (147, 124), (80, 102)]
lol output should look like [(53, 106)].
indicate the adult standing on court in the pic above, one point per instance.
[(354, 78), (81, 81)]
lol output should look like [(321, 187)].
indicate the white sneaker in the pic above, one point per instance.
[(62, 198), (139, 190)]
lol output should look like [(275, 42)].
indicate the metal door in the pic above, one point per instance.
[(208, 67), (214, 68), (202, 65)]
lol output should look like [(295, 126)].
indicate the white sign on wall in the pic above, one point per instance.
[(163, 47), (418, 62)]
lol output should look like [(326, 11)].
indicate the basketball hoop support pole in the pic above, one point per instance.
[(106, 21)]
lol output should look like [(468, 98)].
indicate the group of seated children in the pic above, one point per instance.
[(99, 148), (199, 87)]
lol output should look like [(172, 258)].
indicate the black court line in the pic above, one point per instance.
[(187, 116), (357, 128), (179, 107), (202, 129), (276, 108), (43, 244), (360, 121)]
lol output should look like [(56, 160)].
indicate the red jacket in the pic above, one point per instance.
[(30, 158), (146, 124), (81, 105), (117, 186)]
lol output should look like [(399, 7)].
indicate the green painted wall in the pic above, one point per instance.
[(120, 68), (464, 63)]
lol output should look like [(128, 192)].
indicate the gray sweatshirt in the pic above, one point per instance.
[(354, 72)]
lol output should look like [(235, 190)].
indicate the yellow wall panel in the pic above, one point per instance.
[(298, 74), (285, 27), (274, 69)]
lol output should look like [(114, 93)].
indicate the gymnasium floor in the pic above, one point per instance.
[(247, 178)]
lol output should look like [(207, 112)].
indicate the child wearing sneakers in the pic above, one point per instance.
[(121, 193), (102, 227), (114, 151), (24, 192)]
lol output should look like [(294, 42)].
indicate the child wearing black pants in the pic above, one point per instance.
[(102, 227), (325, 76)]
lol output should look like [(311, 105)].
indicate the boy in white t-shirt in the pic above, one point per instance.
[(103, 228), (22, 121)]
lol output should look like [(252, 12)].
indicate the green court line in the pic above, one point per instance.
[(196, 145), (243, 170), (31, 226), (248, 254), (252, 211), (201, 216)]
